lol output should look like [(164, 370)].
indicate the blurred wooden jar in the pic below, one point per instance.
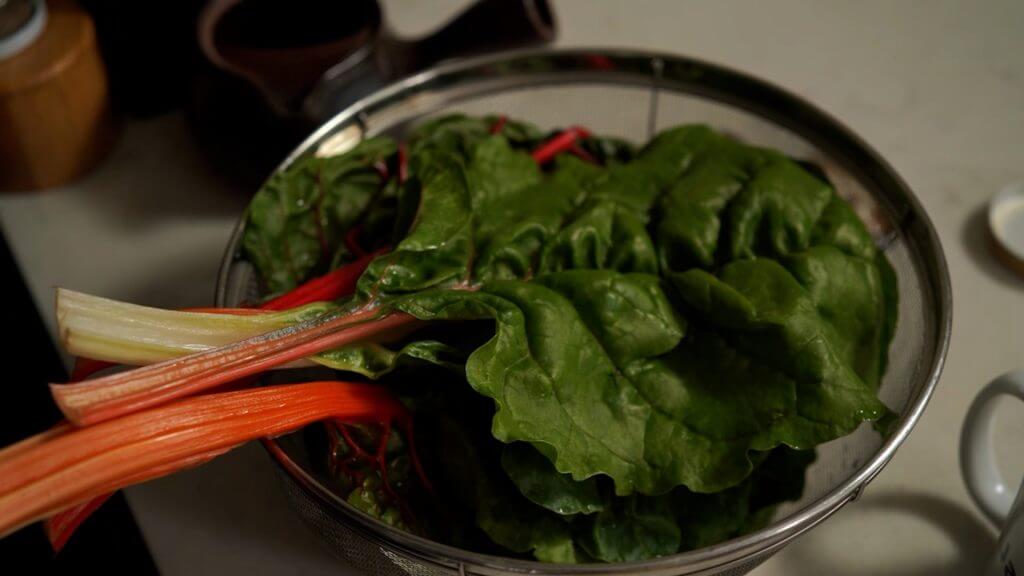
[(55, 118)]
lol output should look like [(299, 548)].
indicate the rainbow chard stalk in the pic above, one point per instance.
[(66, 466), (337, 284), (340, 283), (128, 334), (63, 524)]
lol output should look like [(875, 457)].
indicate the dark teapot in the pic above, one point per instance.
[(276, 70)]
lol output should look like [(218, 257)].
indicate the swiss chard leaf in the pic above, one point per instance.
[(511, 240), (296, 221), (765, 315), (776, 211), (691, 410), (638, 184), (602, 235), (458, 133), (496, 171), (688, 217), (633, 528), (443, 242), (707, 519), (500, 511), (538, 480), (282, 237), (375, 360), (848, 292), (553, 384), (438, 248), (644, 527), (578, 367)]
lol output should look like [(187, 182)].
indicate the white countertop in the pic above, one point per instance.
[(936, 87)]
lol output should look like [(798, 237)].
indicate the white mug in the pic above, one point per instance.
[(997, 499)]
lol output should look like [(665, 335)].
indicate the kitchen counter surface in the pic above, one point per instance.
[(936, 87)]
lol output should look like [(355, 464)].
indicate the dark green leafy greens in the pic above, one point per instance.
[(296, 222), (667, 334)]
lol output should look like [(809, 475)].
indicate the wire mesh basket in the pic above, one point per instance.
[(633, 95)]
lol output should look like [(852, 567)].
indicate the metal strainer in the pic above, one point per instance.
[(632, 95)]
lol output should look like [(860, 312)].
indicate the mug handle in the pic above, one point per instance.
[(977, 449)]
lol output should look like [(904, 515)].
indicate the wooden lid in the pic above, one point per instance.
[(68, 31), (21, 22), (54, 104), (1006, 225)]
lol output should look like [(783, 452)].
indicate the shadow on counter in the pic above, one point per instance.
[(229, 516), (972, 542)]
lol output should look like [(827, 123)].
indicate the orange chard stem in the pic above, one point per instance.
[(73, 465)]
